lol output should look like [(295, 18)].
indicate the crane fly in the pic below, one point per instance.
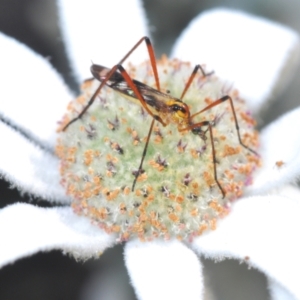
[(162, 107)]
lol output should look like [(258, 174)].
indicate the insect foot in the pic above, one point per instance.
[(188, 165)]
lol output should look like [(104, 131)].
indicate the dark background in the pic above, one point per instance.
[(50, 276)]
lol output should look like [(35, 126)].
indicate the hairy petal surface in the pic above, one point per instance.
[(25, 230), (34, 97), (163, 270), (260, 231), (109, 30), (280, 152), (233, 44), (29, 168)]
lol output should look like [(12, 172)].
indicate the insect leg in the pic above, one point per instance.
[(113, 70), (151, 55), (139, 171), (131, 84), (207, 123), (138, 94), (191, 78), (91, 101), (219, 101)]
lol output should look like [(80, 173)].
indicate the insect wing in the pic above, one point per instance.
[(155, 99)]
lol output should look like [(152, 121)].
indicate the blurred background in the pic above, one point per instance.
[(50, 276)]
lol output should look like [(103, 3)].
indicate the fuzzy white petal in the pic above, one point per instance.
[(163, 270), (280, 153), (25, 230), (33, 96), (257, 56), (101, 32), (277, 292), (263, 232), (28, 167)]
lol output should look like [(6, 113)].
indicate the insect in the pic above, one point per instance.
[(162, 107)]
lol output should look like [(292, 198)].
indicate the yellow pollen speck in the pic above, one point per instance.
[(178, 208), (81, 99), (96, 191), (245, 169), (126, 190), (229, 174), (179, 199), (202, 228), (123, 208), (173, 217), (279, 163), (194, 212), (96, 180), (111, 158), (116, 228), (213, 224), (248, 118), (142, 177), (208, 178), (88, 157), (228, 150)]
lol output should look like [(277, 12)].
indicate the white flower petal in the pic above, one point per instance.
[(261, 231), (277, 292), (29, 168), (34, 96), (280, 153), (256, 55), (25, 230), (163, 270), (101, 32)]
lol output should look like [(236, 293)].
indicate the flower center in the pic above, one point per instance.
[(186, 168)]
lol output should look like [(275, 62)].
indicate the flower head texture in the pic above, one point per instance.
[(259, 228), (181, 193)]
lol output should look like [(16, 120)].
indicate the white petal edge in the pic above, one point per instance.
[(233, 44), (280, 154), (260, 231), (101, 32), (277, 292), (25, 230), (29, 168), (33, 95), (163, 270)]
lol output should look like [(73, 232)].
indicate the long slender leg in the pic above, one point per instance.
[(136, 91), (138, 172), (222, 100), (151, 55), (207, 123), (114, 69), (191, 78)]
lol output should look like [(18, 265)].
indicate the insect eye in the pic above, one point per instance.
[(178, 108)]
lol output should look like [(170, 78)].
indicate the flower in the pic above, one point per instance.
[(176, 194), (261, 226)]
